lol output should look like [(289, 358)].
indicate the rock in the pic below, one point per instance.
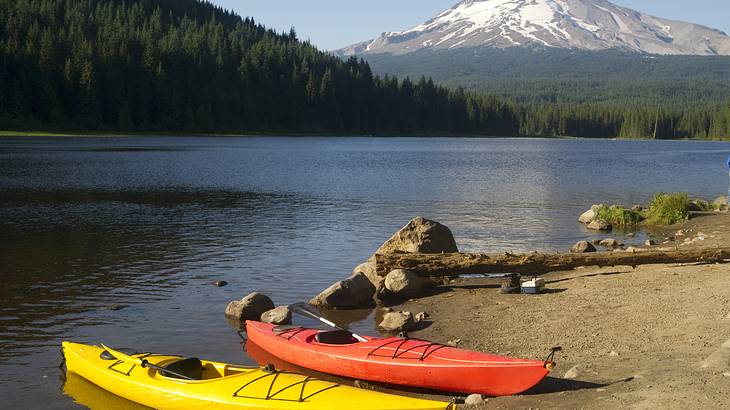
[(632, 249), (610, 243), (220, 283), (420, 235), (278, 316), (693, 206), (355, 291), (368, 269), (397, 322), (598, 225), (454, 342), (572, 373), (720, 202), (650, 242), (249, 308), (613, 353), (421, 316), (583, 247), (403, 283), (637, 208), (589, 215), (630, 235), (474, 399)]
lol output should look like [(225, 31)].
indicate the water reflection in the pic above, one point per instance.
[(87, 394)]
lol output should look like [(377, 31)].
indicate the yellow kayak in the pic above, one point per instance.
[(212, 385)]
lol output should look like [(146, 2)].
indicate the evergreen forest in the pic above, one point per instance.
[(189, 66)]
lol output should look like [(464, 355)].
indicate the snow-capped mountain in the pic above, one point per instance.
[(577, 24)]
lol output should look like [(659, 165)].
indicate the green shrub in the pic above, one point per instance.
[(668, 209), (618, 216)]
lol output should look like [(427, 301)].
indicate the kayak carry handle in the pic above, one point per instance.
[(548, 363)]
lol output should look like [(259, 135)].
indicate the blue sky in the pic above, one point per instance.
[(332, 24)]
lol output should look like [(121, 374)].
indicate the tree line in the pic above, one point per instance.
[(189, 66), (186, 65)]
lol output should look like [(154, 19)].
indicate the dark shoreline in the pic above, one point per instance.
[(284, 134)]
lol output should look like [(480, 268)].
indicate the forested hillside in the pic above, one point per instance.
[(188, 66), (185, 65), (588, 93)]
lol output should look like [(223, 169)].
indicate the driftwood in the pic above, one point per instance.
[(453, 264)]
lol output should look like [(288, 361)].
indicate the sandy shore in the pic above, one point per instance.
[(644, 338)]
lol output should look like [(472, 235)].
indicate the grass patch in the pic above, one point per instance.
[(668, 209), (618, 216)]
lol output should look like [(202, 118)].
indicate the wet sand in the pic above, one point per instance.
[(657, 336)]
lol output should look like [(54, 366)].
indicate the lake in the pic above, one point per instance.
[(118, 240)]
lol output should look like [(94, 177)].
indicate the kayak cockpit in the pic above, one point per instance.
[(198, 370), (335, 337)]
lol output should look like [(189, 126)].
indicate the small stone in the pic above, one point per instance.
[(454, 342), (278, 316), (726, 374), (610, 243), (583, 247), (397, 322), (613, 353), (598, 225), (650, 242), (421, 316), (220, 283), (572, 373), (630, 235), (637, 208), (474, 399)]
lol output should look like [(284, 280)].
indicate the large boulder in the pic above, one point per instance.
[(420, 235), (367, 268), (397, 322), (583, 247), (353, 292), (589, 215), (250, 307), (278, 316)]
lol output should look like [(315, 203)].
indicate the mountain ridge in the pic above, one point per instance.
[(574, 24)]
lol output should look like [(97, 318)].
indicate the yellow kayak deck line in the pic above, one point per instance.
[(225, 386)]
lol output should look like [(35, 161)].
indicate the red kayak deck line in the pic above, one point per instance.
[(394, 360)]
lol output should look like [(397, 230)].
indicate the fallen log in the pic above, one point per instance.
[(454, 264)]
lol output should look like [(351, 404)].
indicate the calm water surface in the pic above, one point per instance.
[(117, 240)]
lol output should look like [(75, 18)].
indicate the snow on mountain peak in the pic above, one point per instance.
[(580, 24)]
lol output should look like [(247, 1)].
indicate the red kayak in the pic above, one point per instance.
[(397, 360)]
